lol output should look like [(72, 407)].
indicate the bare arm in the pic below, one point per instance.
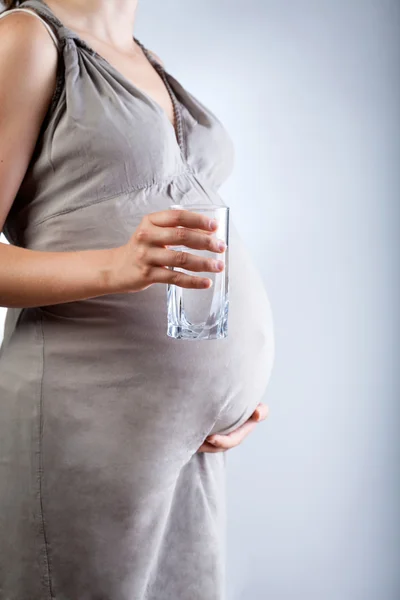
[(34, 278)]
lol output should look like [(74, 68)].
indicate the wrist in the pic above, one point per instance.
[(108, 271)]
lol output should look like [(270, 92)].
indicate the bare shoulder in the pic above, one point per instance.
[(27, 33), (27, 51)]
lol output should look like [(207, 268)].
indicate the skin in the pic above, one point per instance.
[(26, 48), (222, 443)]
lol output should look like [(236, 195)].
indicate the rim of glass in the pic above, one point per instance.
[(195, 207)]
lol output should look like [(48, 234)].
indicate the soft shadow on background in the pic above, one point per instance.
[(310, 91)]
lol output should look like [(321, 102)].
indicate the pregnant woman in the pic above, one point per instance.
[(109, 488)]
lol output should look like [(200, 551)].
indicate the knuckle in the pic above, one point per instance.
[(182, 234), (181, 257), (141, 253), (146, 271), (142, 234), (179, 216), (177, 277)]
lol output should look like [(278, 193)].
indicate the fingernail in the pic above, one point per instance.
[(213, 224)]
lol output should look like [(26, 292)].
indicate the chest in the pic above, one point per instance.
[(136, 69), (108, 136)]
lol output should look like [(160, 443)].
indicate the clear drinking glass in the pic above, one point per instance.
[(202, 314)]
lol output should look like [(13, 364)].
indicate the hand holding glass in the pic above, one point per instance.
[(201, 314), (156, 253)]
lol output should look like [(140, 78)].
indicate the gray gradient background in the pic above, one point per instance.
[(310, 92)]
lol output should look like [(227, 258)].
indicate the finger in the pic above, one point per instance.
[(181, 218), (174, 236), (206, 447), (183, 260), (234, 438), (166, 275), (260, 413)]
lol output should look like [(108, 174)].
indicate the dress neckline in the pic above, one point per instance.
[(128, 84)]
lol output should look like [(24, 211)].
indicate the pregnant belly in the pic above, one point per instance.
[(117, 344)]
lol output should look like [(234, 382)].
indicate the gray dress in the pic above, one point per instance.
[(103, 495)]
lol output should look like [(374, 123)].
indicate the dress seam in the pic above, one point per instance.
[(127, 191), (46, 550)]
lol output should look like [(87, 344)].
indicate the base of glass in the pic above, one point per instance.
[(197, 333)]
